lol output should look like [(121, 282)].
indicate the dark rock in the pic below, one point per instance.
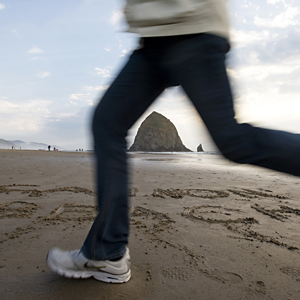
[(158, 134), (199, 148)]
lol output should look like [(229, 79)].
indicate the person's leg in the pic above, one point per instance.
[(136, 87), (201, 71)]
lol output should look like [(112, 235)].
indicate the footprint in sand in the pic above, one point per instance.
[(223, 276), (293, 272), (260, 287), (174, 274)]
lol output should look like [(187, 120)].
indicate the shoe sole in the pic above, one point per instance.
[(101, 276)]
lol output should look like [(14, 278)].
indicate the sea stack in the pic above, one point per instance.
[(158, 134), (200, 148)]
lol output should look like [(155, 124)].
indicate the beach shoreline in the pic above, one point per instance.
[(201, 227)]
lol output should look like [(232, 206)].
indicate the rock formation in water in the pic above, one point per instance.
[(200, 148), (158, 134)]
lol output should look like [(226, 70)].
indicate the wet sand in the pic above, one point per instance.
[(201, 227)]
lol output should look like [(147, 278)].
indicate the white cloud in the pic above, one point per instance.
[(2, 6), (267, 94), (37, 58), (269, 110), (35, 50), (282, 20), (44, 74), (116, 17), (275, 1), (65, 115), (260, 72), (88, 95), (28, 116), (96, 88), (103, 72), (244, 38), (75, 98), (124, 52)]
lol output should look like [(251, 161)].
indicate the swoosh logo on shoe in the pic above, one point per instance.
[(93, 267)]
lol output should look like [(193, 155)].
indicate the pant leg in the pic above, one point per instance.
[(200, 69), (136, 87)]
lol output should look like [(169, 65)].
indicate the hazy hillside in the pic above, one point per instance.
[(4, 144)]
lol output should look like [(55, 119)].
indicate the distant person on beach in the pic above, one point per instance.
[(49, 147), (182, 43)]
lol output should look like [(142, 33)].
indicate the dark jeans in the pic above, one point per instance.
[(196, 62)]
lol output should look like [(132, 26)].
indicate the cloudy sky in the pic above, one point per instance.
[(58, 57)]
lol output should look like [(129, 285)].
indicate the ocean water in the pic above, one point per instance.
[(180, 159)]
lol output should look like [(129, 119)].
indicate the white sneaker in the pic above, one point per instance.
[(73, 264)]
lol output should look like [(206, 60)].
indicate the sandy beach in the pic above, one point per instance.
[(201, 227)]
